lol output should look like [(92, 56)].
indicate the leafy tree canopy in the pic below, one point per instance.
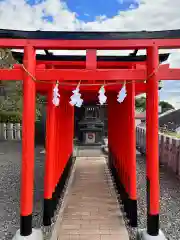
[(140, 104)]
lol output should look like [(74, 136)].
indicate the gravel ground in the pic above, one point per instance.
[(169, 202), (10, 159)]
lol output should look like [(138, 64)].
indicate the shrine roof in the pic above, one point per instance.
[(138, 58), (80, 35)]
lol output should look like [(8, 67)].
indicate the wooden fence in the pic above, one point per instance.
[(169, 149)]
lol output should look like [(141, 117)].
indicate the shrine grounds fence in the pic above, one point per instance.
[(13, 132), (169, 146), (169, 149), (10, 131)]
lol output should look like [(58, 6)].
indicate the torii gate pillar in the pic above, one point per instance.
[(49, 164), (27, 168), (28, 129), (152, 147)]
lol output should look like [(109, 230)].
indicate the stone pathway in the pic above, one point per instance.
[(92, 211)]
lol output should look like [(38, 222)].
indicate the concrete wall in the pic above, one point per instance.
[(169, 149)]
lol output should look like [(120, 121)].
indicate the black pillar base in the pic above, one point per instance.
[(26, 225), (152, 220), (132, 212), (55, 199), (57, 194), (48, 212), (153, 225), (130, 206)]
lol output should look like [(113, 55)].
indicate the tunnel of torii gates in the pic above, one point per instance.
[(40, 73)]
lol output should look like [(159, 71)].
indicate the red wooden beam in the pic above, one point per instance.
[(82, 64), (91, 59), (11, 74), (104, 74), (104, 44), (90, 44), (169, 74), (84, 74), (76, 74), (13, 43)]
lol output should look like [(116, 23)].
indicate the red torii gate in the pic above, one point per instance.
[(37, 75)]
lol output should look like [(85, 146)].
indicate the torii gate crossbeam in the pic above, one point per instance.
[(122, 161)]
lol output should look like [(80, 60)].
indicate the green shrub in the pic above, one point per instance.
[(15, 117), (10, 117)]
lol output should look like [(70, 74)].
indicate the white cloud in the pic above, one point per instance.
[(151, 15)]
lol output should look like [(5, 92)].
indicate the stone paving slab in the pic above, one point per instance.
[(92, 211)]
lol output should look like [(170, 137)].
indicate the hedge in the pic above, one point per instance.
[(10, 117), (15, 117)]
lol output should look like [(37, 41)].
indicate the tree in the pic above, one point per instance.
[(140, 104), (11, 91), (165, 106)]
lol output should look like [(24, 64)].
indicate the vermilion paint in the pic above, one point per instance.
[(131, 141), (28, 129), (100, 75), (152, 152), (90, 44), (50, 148)]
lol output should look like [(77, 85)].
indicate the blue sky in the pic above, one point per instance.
[(34, 2), (89, 10)]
